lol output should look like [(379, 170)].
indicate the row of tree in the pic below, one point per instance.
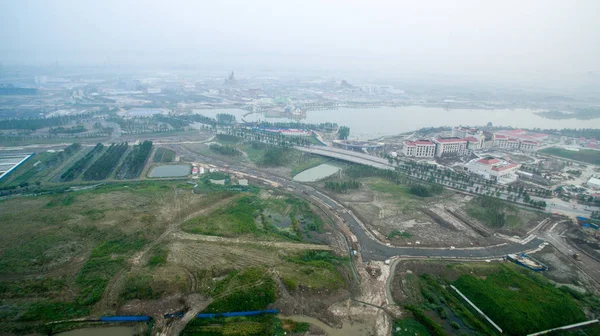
[(325, 127), (271, 138), (224, 149), (101, 168), (134, 162), (78, 167), (342, 186)]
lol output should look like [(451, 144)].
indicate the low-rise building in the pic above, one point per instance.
[(593, 183), (419, 148), (451, 146), (503, 141), (494, 169), (528, 146)]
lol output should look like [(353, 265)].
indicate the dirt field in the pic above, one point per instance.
[(119, 249)]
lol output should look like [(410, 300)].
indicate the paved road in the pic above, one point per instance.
[(371, 249)]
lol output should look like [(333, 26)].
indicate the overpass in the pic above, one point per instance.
[(348, 155)]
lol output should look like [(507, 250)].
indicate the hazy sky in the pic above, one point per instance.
[(419, 36)]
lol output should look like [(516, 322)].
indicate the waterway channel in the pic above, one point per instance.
[(375, 122)]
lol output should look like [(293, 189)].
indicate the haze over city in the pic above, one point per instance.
[(503, 38), (294, 168)]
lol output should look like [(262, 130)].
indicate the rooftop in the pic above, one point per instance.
[(488, 161), (450, 140), (501, 168)]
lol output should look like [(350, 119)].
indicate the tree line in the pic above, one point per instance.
[(134, 162), (326, 127), (228, 150), (342, 186), (80, 165), (101, 168)]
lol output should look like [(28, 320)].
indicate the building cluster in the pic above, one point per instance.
[(464, 140), (494, 169)]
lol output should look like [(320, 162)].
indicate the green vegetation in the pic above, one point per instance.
[(343, 133), (78, 167), (342, 186), (159, 257), (134, 162), (325, 127), (491, 211), (306, 161), (228, 150), (105, 261), (250, 215), (101, 168), (68, 130), (235, 326), (409, 327), (273, 157), (426, 190), (583, 155), (39, 167), (227, 139), (225, 118), (139, 287), (250, 289), (163, 155), (520, 304), (397, 233), (429, 324), (216, 175)]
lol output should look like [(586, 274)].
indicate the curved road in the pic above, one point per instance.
[(371, 248)]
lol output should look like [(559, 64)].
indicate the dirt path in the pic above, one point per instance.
[(114, 286), (282, 245), (196, 304)]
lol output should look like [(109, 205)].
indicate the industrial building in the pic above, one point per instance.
[(494, 169), (419, 148)]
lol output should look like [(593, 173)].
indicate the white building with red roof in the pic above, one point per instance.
[(419, 148), (452, 145), (494, 169), (503, 141)]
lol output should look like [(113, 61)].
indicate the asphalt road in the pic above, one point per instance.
[(370, 248)]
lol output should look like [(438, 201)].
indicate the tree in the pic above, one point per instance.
[(343, 133)]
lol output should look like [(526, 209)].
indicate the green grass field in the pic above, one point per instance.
[(520, 304), (409, 327), (583, 155), (162, 154)]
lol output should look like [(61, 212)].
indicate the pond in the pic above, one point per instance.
[(108, 331), (316, 173), (170, 170)]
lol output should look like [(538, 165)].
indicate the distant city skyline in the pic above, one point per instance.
[(508, 39)]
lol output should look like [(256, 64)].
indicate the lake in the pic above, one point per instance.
[(372, 123), (170, 170), (108, 331), (316, 173)]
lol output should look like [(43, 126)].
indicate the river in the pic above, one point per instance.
[(375, 122)]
